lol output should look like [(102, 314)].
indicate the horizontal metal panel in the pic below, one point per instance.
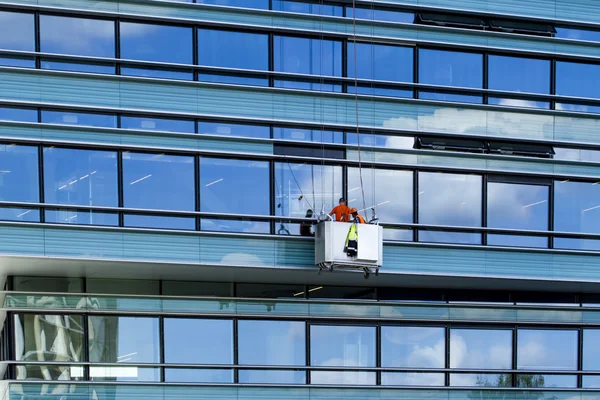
[(272, 104), (269, 252)]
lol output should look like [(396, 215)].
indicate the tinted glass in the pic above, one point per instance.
[(342, 346), (122, 286), (547, 381), (81, 67), (390, 192), (517, 74), (79, 36), (269, 291), (56, 338), (450, 199), (412, 379), (224, 129), (449, 68), (516, 206), (547, 349), (188, 288), (576, 209), (413, 347), (486, 380), (229, 49), (260, 4), (383, 63), (18, 114), (578, 80), (307, 8), (19, 180), (341, 293), (188, 375), (391, 142), (300, 188), (308, 56), (272, 343), (160, 43), (186, 75), (80, 177), (480, 349), (39, 284), (380, 15), (576, 154), (114, 339), (591, 350), (308, 135), (198, 341), (124, 374), (17, 33), (158, 124), (158, 181), (578, 34), (83, 119)]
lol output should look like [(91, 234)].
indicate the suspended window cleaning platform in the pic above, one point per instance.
[(331, 253)]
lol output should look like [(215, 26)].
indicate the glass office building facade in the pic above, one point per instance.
[(158, 159)]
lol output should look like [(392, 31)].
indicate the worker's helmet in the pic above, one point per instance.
[(354, 211)]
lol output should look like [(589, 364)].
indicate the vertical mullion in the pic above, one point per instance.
[(41, 181), (120, 187), (447, 357), (484, 207), (416, 204), (161, 341), (550, 226), (514, 355), (86, 346), (37, 44), (485, 82), (307, 354), (553, 82), (10, 338), (195, 51), (236, 371), (118, 45), (580, 358), (272, 194), (378, 353), (197, 190), (416, 71), (271, 58), (345, 45)]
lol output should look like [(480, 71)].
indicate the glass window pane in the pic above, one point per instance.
[(413, 347), (286, 377), (450, 199), (342, 346), (234, 186), (391, 142), (81, 217), (547, 381), (18, 114), (383, 63), (380, 15), (190, 375), (122, 286), (481, 348), (115, 339), (341, 293), (78, 36), (412, 379), (19, 180), (50, 372), (81, 67), (578, 80), (83, 119), (308, 56), (49, 338), (516, 74), (229, 49), (151, 42), (308, 8), (159, 181), (158, 73), (158, 124), (198, 341), (271, 343), (517, 206), (576, 209), (224, 129), (43, 284), (578, 34), (80, 177), (308, 135), (269, 291), (188, 288), (124, 374), (450, 68), (260, 4), (591, 350), (17, 31), (547, 349), (485, 380)]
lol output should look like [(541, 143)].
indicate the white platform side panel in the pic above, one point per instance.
[(330, 241)]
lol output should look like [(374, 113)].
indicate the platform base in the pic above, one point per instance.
[(331, 267)]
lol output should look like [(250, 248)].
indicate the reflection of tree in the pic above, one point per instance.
[(505, 380)]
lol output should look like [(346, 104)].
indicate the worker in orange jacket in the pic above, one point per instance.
[(341, 211), (356, 217)]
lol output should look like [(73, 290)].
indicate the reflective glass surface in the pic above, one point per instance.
[(413, 347), (479, 349), (151, 42), (260, 4), (185, 75), (516, 74), (18, 114), (198, 341), (389, 192), (190, 375), (272, 343), (591, 350), (124, 374), (80, 177), (43, 284), (342, 346), (450, 68), (158, 124), (17, 33), (229, 49), (115, 339), (577, 79), (412, 379), (308, 135), (390, 142), (380, 62), (77, 36), (547, 381), (81, 67), (308, 7), (341, 293), (225, 129), (158, 181), (188, 288), (450, 199), (307, 56), (380, 15), (269, 291), (302, 190), (576, 209), (82, 119), (123, 286), (19, 181), (485, 380), (234, 187), (517, 206), (578, 34), (547, 349)]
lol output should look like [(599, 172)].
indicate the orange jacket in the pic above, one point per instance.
[(341, 213), (361, 220)]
